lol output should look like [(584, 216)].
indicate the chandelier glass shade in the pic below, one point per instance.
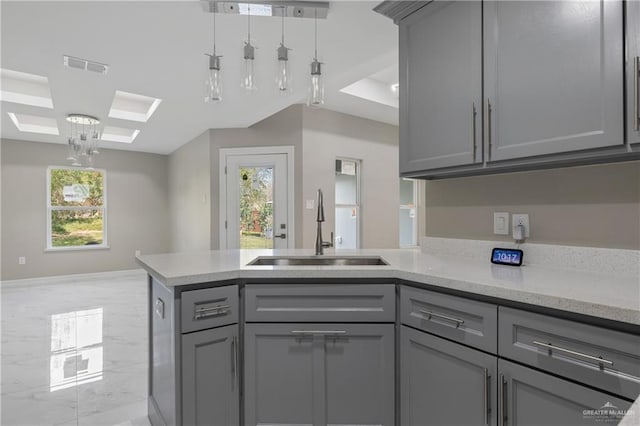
[(84, 135)]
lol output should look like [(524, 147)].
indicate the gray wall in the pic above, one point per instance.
[(137, 210), (190, 195), (281, 129), (327, 135), (596, 206)]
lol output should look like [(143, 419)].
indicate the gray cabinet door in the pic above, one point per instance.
[(283, 375), (444, 383), (359, 375), (529, 397), (633, 71), (552, 77), (319, 374), (441, 86), (210, 383)]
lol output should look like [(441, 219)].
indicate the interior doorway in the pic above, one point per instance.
[(256, 198)]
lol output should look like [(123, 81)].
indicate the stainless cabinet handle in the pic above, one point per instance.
[(430, 314), (552, 347), (320, 332), (502, 401), (489, 143), (474, 147), (210, 311), (233, 362), (636, 93), (486, 396)]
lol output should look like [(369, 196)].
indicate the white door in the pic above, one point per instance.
[(256, 198)]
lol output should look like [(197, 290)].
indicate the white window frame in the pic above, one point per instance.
[(357, 206), (417, 188), (50, 209)]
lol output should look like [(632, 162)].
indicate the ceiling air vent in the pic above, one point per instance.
[(85, 64)]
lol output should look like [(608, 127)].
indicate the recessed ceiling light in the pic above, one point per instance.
[(23, 88), (34, 123), (118, 134), (130, 106)]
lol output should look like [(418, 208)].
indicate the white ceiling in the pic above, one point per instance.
[(156, 49)]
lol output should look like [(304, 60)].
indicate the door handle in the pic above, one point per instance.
[(489, 142), (474, 145), (283, 236), (636, 93), (485, 394)]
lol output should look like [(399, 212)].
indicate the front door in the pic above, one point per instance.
[(257, 202)]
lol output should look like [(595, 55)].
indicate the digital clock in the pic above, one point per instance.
[(502, 256)]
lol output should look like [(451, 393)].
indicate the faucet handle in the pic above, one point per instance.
[(328, 243)]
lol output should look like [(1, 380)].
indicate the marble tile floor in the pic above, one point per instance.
[(74, 350)]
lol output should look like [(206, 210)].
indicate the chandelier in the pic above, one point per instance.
[(83, 140)]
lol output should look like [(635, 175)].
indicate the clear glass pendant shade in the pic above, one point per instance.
[(213, 84), (316, 85)]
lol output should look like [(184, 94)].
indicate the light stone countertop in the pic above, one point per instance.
[(610, 296)]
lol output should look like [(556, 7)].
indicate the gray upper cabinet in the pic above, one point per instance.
[(441, 86), (553, 77), (444, 383), (633, 71), (499, 86), (210, 372), (529, 397), (319, 374)]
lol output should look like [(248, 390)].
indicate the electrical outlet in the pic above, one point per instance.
[(520, 219), (22, 260)]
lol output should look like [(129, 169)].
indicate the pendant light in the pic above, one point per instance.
[(249, 55), (213, 85), (316, 82), (283, 78)]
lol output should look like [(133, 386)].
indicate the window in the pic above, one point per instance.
[(76, 208), (409, 212), (347, 204)]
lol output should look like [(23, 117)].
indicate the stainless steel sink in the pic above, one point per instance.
[(317, 261)]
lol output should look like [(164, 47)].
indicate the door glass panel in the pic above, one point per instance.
[(346, 228), (256, 207)]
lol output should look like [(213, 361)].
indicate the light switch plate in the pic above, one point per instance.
[(501, 223), (309, 204)]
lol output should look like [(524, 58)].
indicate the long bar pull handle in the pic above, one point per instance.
[(489, 141), (552, 347), (210, 311), (320, 332), (431, 314), (474, 147), (485, 395), (636, 93), (502, 400), (234, 367)]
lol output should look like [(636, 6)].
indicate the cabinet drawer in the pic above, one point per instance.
[(209, 307), (462, 320), (320, 303), (606, 359)]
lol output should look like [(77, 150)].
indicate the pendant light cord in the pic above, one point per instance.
[(283, 9), (214, 30), (249, 23), (316, 32)]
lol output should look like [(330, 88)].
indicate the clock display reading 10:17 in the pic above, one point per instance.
[(502, 256)]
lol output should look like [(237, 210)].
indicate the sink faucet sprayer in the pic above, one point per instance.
[(320, 245)]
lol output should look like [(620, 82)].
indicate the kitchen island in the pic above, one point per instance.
[(212, 306)]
